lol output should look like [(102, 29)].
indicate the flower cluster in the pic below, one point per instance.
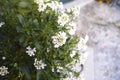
[(39, 64), (81, 46), (71, 28), (41, 5), (54, 5), (3, 70), (46, 32), (63, 19), (75, 10), (72, 77), (59, 39), (59, 68)]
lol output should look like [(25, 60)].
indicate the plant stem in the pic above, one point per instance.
[(38, 75)]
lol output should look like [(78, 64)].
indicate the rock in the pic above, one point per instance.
[(101, 22)]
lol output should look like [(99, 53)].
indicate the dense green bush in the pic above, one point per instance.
[(38, 41)]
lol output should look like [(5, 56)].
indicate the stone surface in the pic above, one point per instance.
[(101, 22)]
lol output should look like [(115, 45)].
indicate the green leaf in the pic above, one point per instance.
[(19, 29), (23, 4), (37, 45), (24, 69), (21, 39), (21, 19)]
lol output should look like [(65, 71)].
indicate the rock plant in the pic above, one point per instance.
[(38, 41)]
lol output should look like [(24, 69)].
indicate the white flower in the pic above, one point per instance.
[(73, 53), (59, 39), (63, 19), (68, 10), (82, 43), (3, 70), (48, 50), (75, 11), (53, 70), (39, 1), (1, 24), (39, 64), (83, 57), (59, 68), (82, 47), (71, 28), (55, 6), (70, 76), (31, 52), (46, 0), (3, 58), (42, 7)]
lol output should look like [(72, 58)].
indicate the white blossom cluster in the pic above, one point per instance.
[(39, 64), (83, 57), (54, 5), (59, 39), (72, 77), (41, 5), (75, 10), (71, 27), (30, 51), (3, 70), (63, 19), (59, 68), (76, 64), (81, 46), (67, 22), (73, 53), (1, 24)]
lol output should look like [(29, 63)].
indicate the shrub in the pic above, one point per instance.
[(38, 40)]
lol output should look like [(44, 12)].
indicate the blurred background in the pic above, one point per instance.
[(65, 1)]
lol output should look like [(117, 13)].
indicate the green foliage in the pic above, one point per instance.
[(26, 26)]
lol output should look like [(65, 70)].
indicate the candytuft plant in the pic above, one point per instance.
[(38, 41)]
